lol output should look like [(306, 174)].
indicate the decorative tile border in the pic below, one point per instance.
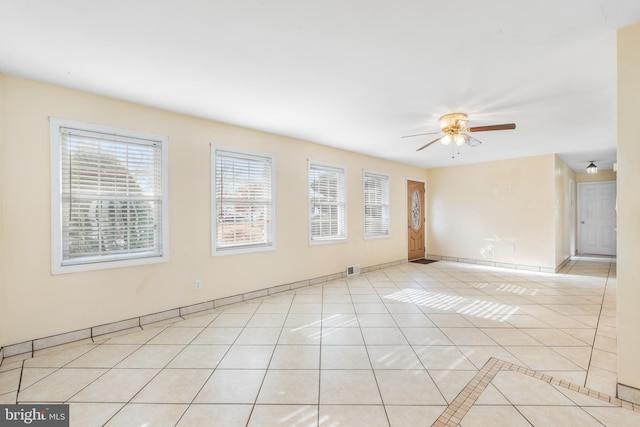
[(456, 411), (96, 331)]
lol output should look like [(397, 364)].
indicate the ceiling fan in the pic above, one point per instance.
[(453, 126)]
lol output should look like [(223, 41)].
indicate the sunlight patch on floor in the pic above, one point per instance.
[(459, 304)]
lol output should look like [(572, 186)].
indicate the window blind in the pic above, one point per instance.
[(111, 197), (376, 204), (327, 202), (243, 201)]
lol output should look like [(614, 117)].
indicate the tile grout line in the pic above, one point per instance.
[(266, 370), (320, 353), (366, 348), (412, 346), (178, 354), (160, 370), (595, 335), (55, 370)]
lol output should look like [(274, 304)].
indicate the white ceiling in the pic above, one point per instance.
[(354, 74)]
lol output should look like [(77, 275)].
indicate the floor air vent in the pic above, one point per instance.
[(353, 270)]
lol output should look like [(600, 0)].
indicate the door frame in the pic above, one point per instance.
[(406, 213)]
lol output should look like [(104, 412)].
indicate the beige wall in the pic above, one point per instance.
[(502, 211), (37, 304), (628, 288), (602, 175)]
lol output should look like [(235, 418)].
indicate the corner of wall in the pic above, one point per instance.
[(628, 268), (3, 298)]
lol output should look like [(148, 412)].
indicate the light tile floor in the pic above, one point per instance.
[(443, 344)]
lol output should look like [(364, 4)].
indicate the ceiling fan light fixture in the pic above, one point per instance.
[(592, 168), (461, 139), (472, 142), (446, 140)]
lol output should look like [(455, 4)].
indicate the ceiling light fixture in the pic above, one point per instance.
[(592, 168), (453, 125)]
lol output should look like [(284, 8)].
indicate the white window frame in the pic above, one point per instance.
[(241, 249), (58, 264), (341, 206), (385, 205)]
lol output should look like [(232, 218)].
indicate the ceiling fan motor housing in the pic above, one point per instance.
[(453, 123)]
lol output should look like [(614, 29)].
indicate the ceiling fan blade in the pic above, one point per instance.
[(420, 134), (426, 145), (505, 126)]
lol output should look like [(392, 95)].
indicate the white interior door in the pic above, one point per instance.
[(597, 218)]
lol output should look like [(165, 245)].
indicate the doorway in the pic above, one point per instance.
[(415, 219), (597, 218)]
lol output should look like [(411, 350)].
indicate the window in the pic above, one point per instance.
[(376, 204), (109, 197), (243, 204), (327, 203)]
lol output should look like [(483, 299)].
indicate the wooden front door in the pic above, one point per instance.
[(416, 218)]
